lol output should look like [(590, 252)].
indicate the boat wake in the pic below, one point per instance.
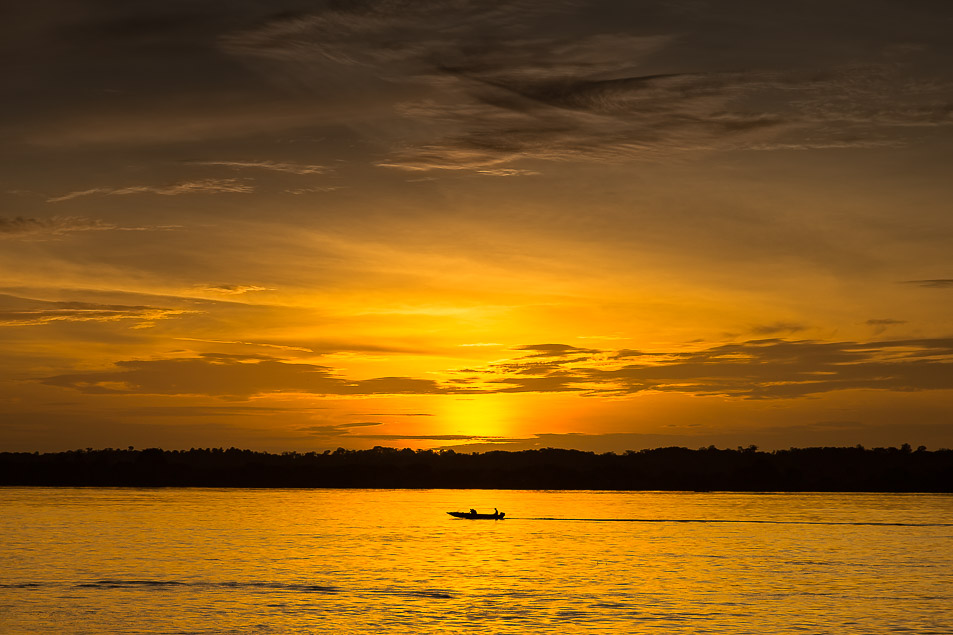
[(171, 585), (722, 520)]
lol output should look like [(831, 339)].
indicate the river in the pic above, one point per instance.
[(113, 560)]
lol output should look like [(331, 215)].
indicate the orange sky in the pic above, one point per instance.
[(305, 225)]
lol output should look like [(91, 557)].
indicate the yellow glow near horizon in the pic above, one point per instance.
[(478, 415)]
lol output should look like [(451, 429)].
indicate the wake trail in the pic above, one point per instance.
[(730, 521)]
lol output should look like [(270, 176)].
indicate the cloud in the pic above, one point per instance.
[(233, 289), (937, 283), (507, 172), (242, 343), (236, 376), (274, 166), (313, 190), (512, 113), (757, 369), (885, 322), (209, 411), (197, 117), (17, 311), (336, 429), (205, 186), (882, 324), (22, 227), (555, 81), (423, 437), (777, 327), (345, 431), (554, 350), (397, 414)]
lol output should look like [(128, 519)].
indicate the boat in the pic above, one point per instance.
[(473, 515)]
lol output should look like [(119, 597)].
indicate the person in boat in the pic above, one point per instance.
[(496, 512), (473, 511)]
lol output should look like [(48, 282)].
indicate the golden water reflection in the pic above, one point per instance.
[(219, 561)]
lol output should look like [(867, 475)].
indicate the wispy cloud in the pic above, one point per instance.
[(232, 289), (314, 190), (16, 311), (23, 227), (283, 347), (204, 186), (397, 414), (274, 166), (507, 172), (338, 430)]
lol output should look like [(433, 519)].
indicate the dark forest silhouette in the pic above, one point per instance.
[(674, 468)]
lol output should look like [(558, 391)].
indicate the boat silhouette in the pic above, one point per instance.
[(474, 515)]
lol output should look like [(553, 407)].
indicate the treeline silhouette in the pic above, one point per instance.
[(673, 468)]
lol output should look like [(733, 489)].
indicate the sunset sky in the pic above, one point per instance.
[(604, 225)]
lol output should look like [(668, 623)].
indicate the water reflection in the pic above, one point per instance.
[(218, 561)]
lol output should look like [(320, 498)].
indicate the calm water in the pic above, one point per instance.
[(362, 561)]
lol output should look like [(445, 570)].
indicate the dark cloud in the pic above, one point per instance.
[(882, 324), (885, 322), (554, 350), (777, 327), (757, 369), (210, 411), (551, 383), (397, 414), (937, 283), (236, 376), (766, 369), (423, 437), (336, 429), (343, 432)]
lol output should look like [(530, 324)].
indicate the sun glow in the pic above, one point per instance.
[(479, 415)]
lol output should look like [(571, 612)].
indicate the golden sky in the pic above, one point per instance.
[(606, 225)]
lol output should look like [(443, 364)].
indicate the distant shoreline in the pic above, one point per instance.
[(821, 469)]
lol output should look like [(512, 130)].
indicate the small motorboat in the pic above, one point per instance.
[(474, 515)]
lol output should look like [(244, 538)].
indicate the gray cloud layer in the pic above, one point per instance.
[(524, 82)]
